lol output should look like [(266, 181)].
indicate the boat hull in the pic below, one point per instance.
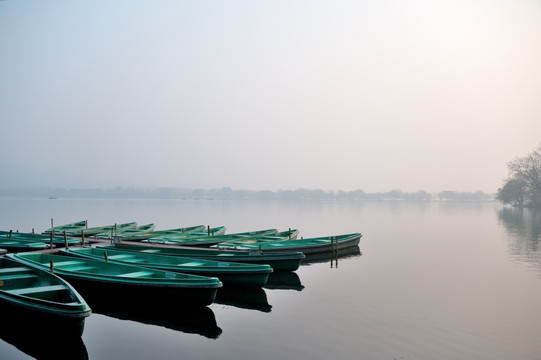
[(125, 292), (44, 297), (289, 261), (46, 321), (306, 246)]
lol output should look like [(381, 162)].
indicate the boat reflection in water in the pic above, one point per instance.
[(188, 319), (284, 281), (41, 339), (332, 256), (251, 298)]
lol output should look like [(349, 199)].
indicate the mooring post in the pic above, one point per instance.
[(289, 233), (10, 232), (83, 237), (51, 244), (106, 257), (51, 222), (208, 230), (65, 240), (52, 266), (32, 230)]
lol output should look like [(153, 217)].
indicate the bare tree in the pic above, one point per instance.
[(523, 185)]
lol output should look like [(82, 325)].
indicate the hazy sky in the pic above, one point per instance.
[(267, 95)]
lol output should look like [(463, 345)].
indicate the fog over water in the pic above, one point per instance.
[(341, 95)]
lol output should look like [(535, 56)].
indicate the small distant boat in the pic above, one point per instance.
[(133, 282), (66, 227), (278, 261), (206, 241), (228, 272), (307, 246), (26, 289)]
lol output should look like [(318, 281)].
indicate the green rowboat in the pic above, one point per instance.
[(278, 261), (290, 234), (26, 289), (130, 283), (188, 233), (228, 272), (206, 241), (211, 231), (15, 245), (94, 231), (67, 227), (31, 237), (139, 236), (126, 231), (307, 246), (214, 231)]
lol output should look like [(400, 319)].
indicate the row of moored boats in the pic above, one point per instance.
[(184, 265)]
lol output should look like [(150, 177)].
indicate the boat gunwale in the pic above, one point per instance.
[(231, 269), (344, 241)]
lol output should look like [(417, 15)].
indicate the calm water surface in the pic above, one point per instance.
[(434, 281)]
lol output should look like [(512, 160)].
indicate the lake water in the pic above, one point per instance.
[(434, 281)]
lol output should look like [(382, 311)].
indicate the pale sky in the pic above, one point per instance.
[(268, 95)]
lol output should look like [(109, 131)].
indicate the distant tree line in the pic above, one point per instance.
[(522, 188), (228, 193)]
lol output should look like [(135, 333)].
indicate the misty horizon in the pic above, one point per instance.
[(20, 180), (242, 194)]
